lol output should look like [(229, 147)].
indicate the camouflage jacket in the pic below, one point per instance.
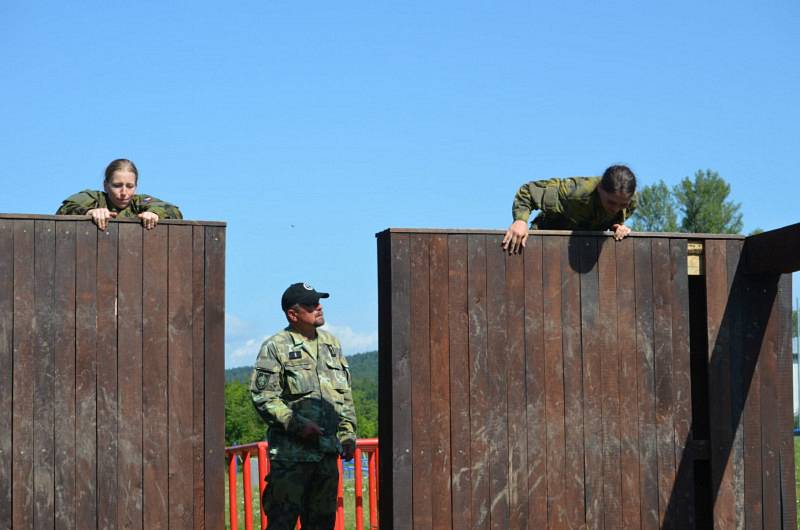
[(290, 387), (83, 201), (566, 204)]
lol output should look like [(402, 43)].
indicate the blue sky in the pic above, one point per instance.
[(310, 126)]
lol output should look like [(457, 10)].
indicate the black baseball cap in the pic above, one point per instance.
[(301, 293)]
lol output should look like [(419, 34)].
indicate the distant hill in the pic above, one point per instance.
[(362, 366)]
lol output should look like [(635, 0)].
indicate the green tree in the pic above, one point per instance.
[(242, 423), (704, 204), (655, 210)]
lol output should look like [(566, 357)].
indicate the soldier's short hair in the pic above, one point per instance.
[(619, 179), (120, 163)]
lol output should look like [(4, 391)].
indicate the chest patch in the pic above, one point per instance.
[(294, 354)]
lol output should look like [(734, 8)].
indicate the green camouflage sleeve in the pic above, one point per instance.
[(266, 389), (347, 419), (163, 209), (80, 203), (535, 195)]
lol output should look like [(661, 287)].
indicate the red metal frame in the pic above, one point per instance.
[(243, 453)]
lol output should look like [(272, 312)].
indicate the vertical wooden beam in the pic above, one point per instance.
[(64, 355), (420, 381), (478, 382), (785, 403), (198, 371), (214, 376), (461, 481), (517, 422), (628, 384), (440, 383), (24, 373), (648, 441), (6, 368), (129, 457), (44, 375), (535, 395), (86, 450), (107, 358), (155, 427)]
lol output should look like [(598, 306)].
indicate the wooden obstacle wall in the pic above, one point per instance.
[(111, 374), (585, 383)]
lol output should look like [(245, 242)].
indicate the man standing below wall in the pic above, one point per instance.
[(301, 388)]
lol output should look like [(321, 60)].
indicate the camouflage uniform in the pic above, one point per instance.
[(296, 381), (86, 200), (566, 204)]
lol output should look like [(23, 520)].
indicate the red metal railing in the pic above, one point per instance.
[(241, 454)]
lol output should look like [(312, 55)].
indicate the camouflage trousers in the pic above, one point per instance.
[(304, 489)]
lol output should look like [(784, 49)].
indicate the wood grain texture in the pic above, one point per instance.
[(198, 371), (419, 356), (535, 394), (107, 374), (24, 373), (441, 516), (155, 404), (6, 368), (478, 382), (64, 357), (44, 375), (458, 319)]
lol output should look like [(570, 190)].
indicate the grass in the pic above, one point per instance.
[(349, 505)]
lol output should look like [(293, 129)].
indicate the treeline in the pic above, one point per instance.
[(243, 425)]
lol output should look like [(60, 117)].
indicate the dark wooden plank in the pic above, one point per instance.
[(754, 324), (214, 326), (575, 494), (662, 355), (44, 375), (774, 251), (591, 344), (129, 336), (628, 385), (107, 410), (179, 385), (86, 450), (610, 369), (535, 383), (6, 366), (440, 387), (515, 393), (385, 383), (785, 402), (155, 422), (198, 370), (648, 449), (420, 382), (459, 381), (719, 384), (733, 319), (478, 382), (64, 356), (557, 504), (400, 383), (24, 374), (682, 500), (497, 356), (770, 449)]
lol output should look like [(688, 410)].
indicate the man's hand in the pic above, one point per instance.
[(149, 219), (620, 231), (100, 216), (348, 449), (311, 432), (515, 238)]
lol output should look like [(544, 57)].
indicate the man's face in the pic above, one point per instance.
[(307, 315), (613, 203)]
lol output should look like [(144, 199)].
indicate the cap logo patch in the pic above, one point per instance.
[(307, 287)]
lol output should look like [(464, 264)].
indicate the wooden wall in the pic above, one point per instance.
[(586, 383), (111, 374)]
